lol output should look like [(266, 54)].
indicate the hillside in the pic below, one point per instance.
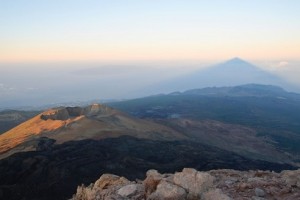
[(75, 123), (270, 113)]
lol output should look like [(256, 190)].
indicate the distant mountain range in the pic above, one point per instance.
[(254, 90)]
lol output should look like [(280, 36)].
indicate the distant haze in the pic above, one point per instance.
[(36, 84), (78, 50), (46, 83)]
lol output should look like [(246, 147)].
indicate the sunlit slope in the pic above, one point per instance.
[(75, 123)]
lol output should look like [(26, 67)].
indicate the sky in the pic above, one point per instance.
[(55, 51), (126, 30)]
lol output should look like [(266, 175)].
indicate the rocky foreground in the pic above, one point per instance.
[(192, 184)]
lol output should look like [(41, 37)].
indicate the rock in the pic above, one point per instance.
[(194, 182), (107, 180), (229, 182), (105, 187), (259, 192), (152, 180), (168, 191), (260, 173), (84, 193), (215, 194), (291, 178), (132, 191), (243, 186), (55, 114), (193, 185)]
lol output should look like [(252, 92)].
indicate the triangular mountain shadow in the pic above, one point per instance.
[(230, 73)]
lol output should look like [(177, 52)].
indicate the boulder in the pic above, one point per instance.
[(106, 187), (194, 182), (107, 180), (152, 180), (132, 191), (259, 192), (168, 191)]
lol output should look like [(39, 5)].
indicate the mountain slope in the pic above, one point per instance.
[(230, 137), (272, 113), (49, 155), (75, 123)]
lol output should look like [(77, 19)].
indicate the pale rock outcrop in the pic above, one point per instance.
[(191, 184), (132, 191), (107, 180), (188, 184), (168, 191), (152, 180), (106, 187)]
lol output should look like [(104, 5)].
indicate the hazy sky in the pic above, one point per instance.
[(55, 51), (55, 30)]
